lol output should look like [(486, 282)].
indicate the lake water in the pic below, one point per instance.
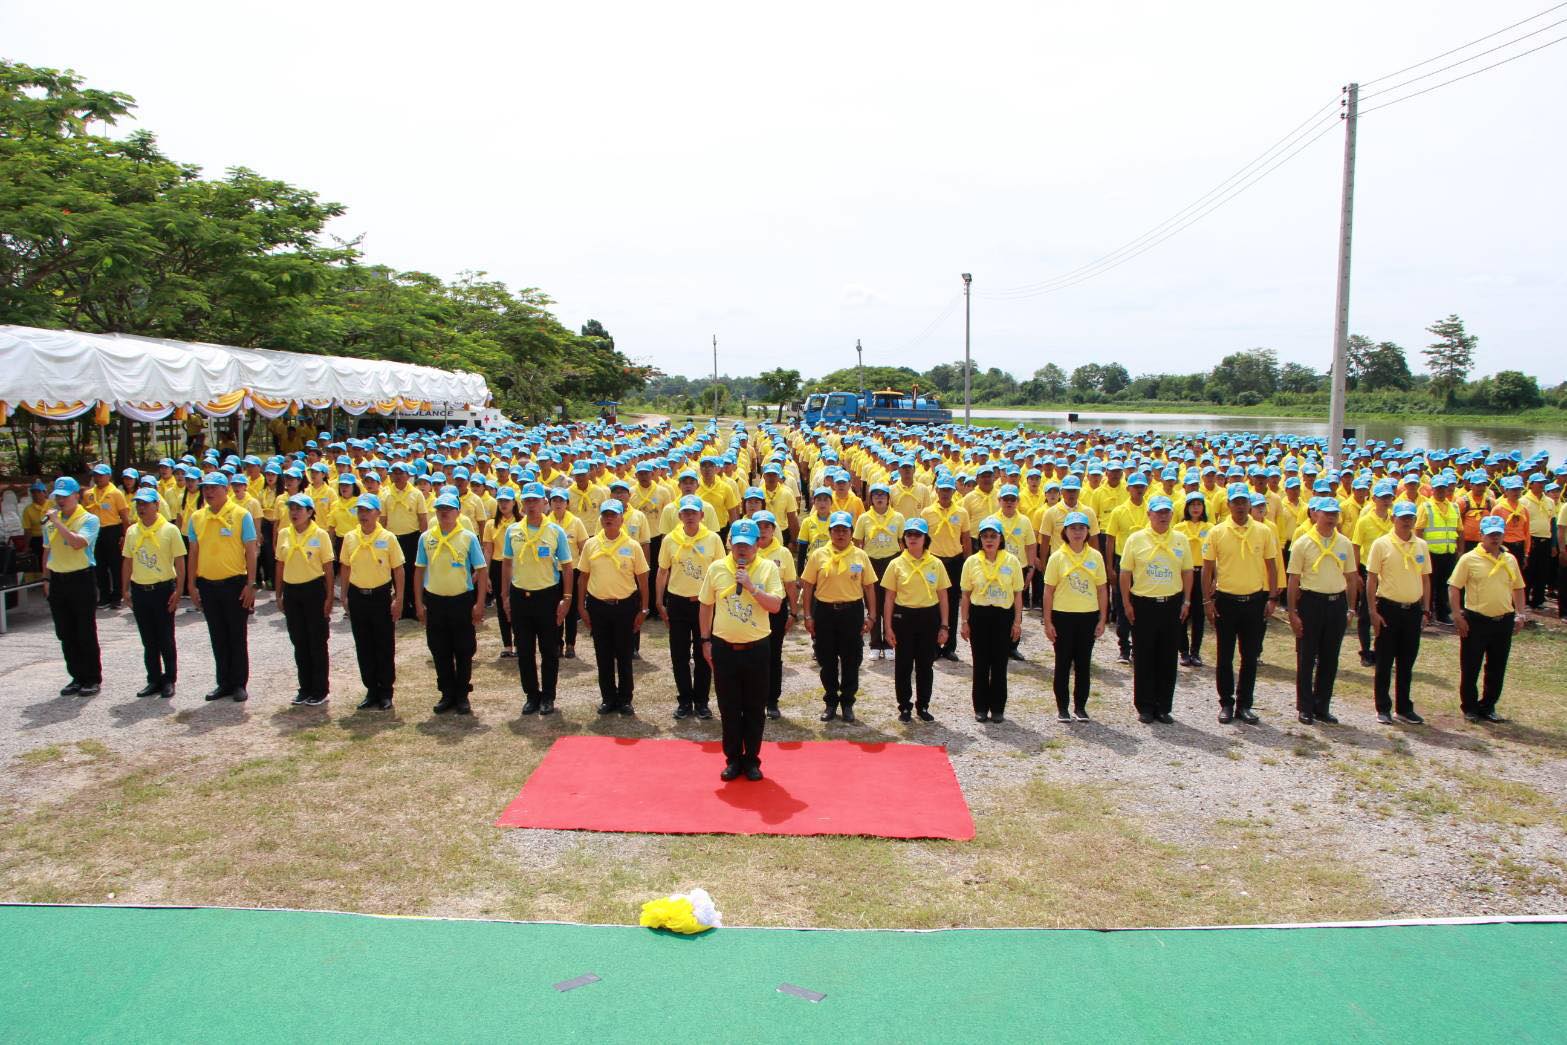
[(1500, 438)]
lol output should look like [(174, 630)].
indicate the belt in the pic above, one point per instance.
[(529, 593), (1486, 616), (822, 605), (1156, 598), (1252, 597), (371, 591), (154, 584), (1306, 593), (739, 645), (683, 598), (1400, 605), (609, 602)]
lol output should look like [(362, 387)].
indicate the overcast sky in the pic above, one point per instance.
[(794, 177)]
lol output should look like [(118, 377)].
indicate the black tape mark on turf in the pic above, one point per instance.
[(800, 992), (581, 981)]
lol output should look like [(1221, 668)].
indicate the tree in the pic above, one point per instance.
[(714, 396), (1052, 382), (1376, 367), (1450, 357), (1087, 378), (848, 379), (593, 328), (1299, 379), (1246, 377), (781, 386), (1514, 390), (1113, 378)]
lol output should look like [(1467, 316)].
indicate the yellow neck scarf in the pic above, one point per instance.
[(914, 570)]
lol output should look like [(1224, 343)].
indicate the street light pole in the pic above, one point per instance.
[(861, 366), (715, 377), (1341, 306), (968, 365)]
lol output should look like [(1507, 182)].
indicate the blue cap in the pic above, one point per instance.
[(506, 493), (1403, 508), (1493, 524), (102, 469), (821, 491), (916, 525), (1074, 519), (742, 531), (690, 503), (1196, 495), (1072, 482), (367, 500), (756, 493), (1137, 479), (689, 473), (448, 500), (1441, 479), (946, 482), (993, 524), (301, 500), (1161, 504), (1238, 491), (146, 495), (533, 490), (65, 486), (613, 506), (764, 516), (215, 479), (1325, 504), (620, 484), (39, 487), (1008, 491), (1512, 482), (1292, 482), (1258, 500), (840, 519)]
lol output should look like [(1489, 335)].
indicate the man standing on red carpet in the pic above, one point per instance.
[(738, 595)]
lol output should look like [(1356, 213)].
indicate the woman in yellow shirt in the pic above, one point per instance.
[(272, 499), (1076, 605), (992, 613), (576, 537), (770, 547), (1195, 526), (494, 541), (914, 617), (877, 531), (304, 594)]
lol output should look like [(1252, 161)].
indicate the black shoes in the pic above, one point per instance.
[(1167, 718), (828, 715), (1485, 716), (1063, 716), (1145, 718), (1017, 655), (151, 689), (905, 715), (925, 716), (373, 704), (1368, 660), (683, 711), (950, 655), (982, 716), (848, 713), (1124, 657), (315, 701), (445, 706), (1306, 718), (626, 709), (606, 708), (1411, 717), (546, 707), (773, 712), (1328, 717), (730, 772), (219, 694), (996, 716), (1081, 715), (70, 689), (753, 773), (703, 712), (530, 706), (1226, 715), (462, 708), (1384, 718), (1248, 716), (299, 698), (88, 691), (166, 691)]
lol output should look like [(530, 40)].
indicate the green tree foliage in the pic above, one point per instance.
[(1450, 357), (1299, 380), (1510, 390), (876, 377), (780, 386), (106, 234), (1376, 367), (1246, 378)]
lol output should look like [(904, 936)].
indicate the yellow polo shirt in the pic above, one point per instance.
[(1488, 584), (1017, 535), (981, 506), (537, 554), (303, 555), (1155, 561), (910, 500), (916, 583), (152, 551), (721, 494), (1370, 526), (839, 576), (779, 556), (947, 527), (687, 558), (449, 559), (878, 534), (1321, 564), (1124, 520), (813, 533), (576, 533), (106, 503), (781, 501), (992, 583), (650, 502), (737, 616), (401, 509), (1399, 567), (1050, 520), (1075, 579), (612, 566), (62, 557), (1240, 555), (371, 557), (220, 540)]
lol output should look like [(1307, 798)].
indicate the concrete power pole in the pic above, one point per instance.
[(715, 377), (1341, 309), (968, 365)]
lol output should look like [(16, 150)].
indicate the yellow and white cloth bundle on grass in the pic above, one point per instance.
[(688, 913)]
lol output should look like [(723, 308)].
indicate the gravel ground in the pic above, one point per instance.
[(1196, 783)]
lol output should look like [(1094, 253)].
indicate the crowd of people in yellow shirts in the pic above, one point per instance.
[(903, 542)]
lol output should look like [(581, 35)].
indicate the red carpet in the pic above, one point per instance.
[(830, 787)]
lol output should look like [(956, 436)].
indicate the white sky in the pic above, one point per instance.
[(793, 177)]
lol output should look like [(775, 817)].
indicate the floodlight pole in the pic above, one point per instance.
[(1341, 308), (968, 366)]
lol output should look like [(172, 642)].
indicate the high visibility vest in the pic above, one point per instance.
[(1442, 527)]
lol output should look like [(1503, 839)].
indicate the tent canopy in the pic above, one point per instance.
[(65, 373)]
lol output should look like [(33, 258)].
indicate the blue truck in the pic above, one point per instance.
[(888, 406)]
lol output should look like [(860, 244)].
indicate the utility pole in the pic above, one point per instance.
[(1341, 308), (715, 377), (861, 365), (968, 365)]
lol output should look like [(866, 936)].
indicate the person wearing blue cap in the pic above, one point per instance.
[(739, 594), (1489, 585), (1155, 578), (612, 603), (914, 615), (1017, 533), (505, 515), (1373, 523), (1240, 585), (450, 583), (371, 568), (877, 530), (1515, 517), (406, 514), (38, 505), (685, 554), (814, 531), (991, 610), (108, 503), (782, 502), (70, 533), (153, 577), (719, 491), (1438, 522), (1323, 584), (769, 547), (838, 593), (1076, 610), (305, 594), (951, 543), (1195, 525), (1540, 567), (221, 563), (1127, 518), (1398, 576)]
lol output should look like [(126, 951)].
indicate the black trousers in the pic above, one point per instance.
[(840, 648), (1074, 649), (612, 634), (1539, 574), (990, 640), (228, 626), (954, 596), (570, 629), (73, 603), (1397, 646), (1363, 622), (1241, 622), (106, 553), (449, 632), (155, 624), (1123, 629), (912, 677), (533, 626), (878, 638), (775, 643), (303, 612), (502, 604), (1191, 634), (1487, 645), (1156, 648), (266, 554), (375, 639), (409, 543), (1442, 564), (742, 677), (1324, 620), (693, 678)]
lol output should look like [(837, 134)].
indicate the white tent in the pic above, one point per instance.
[(65, 373)]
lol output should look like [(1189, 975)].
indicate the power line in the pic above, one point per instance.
[(1463, 47), (1299, 130), (1475, 72), (1464, 61), (930, 328)]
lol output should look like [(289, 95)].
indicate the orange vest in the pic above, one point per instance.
[(1517, 531)]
